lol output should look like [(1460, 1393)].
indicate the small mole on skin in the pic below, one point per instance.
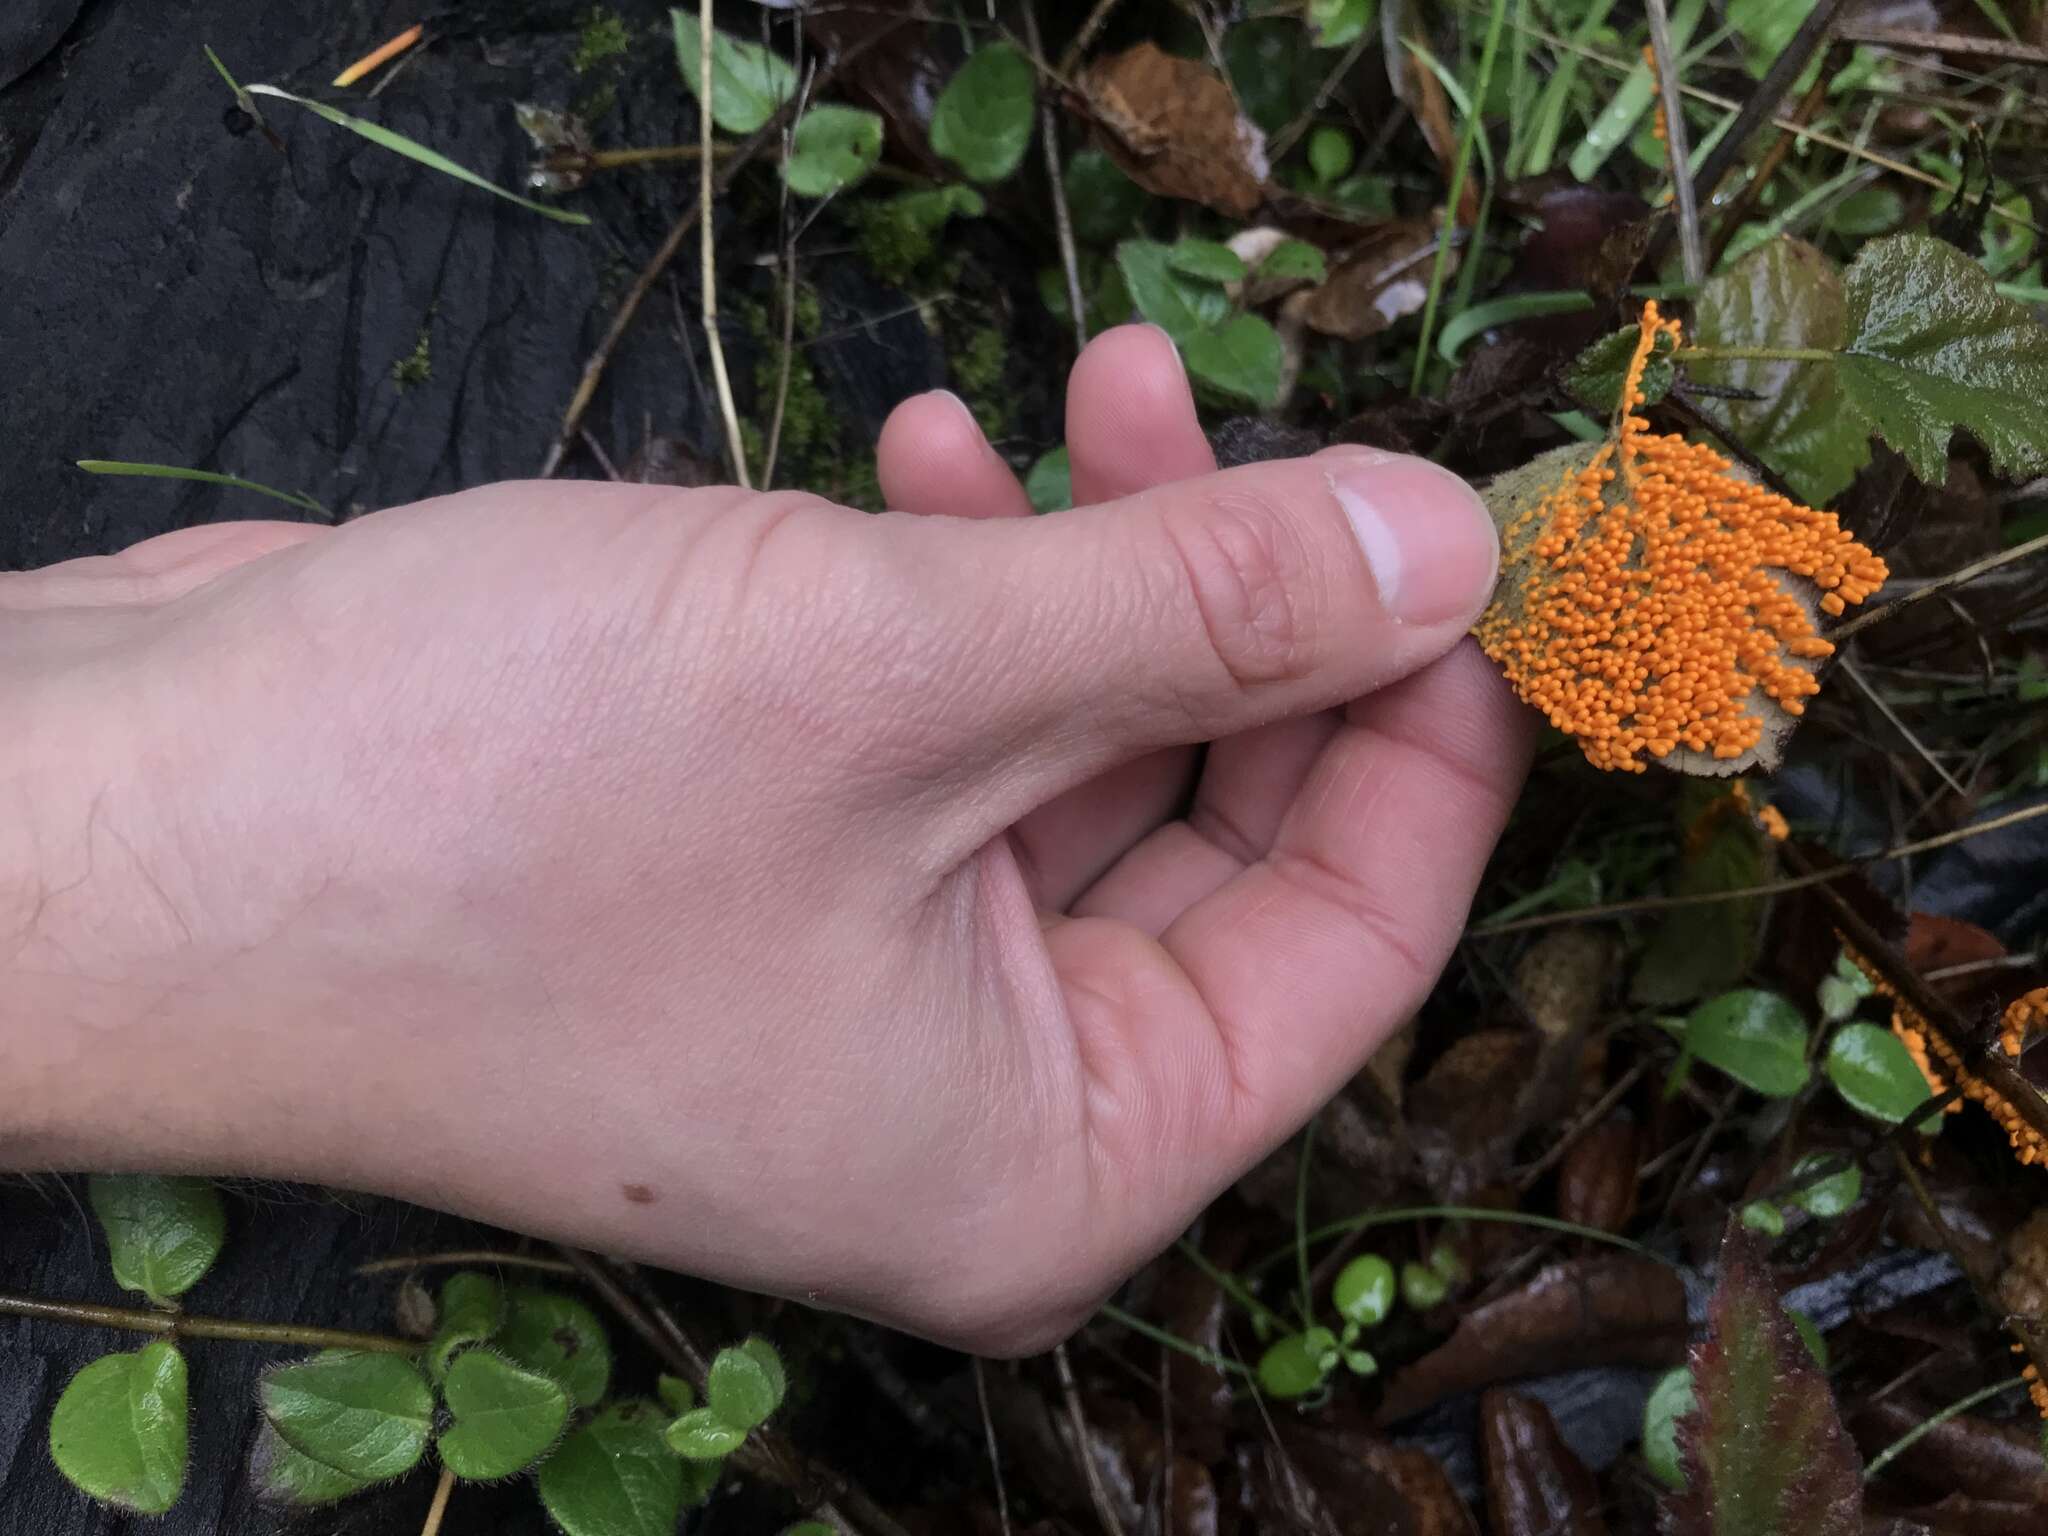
[(639, 1194)]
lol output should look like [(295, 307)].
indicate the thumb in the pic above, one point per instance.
[(1210, 606)]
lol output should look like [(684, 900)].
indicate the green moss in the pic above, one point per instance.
[(603, 38), (891, 239), (416, 369), (979, 362)]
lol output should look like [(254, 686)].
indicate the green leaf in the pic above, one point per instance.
[(1103, 202), (1767, 27), (204, 477), (1671, 1399), (1764, 1454), (283, 1475), (809, 1528), (118, 1430), (1050, 484), (1875, 1075), (676, 1394), (1934, 346), (1762, 1216), (1708, 948), (1365, 1290), (1296, 1365), (505, 1417), (1756, 1037), (472, 1309), (1595, 375), (1242, 357), (162, 1233), (1828, 1195), (746, 1384), (361, 1413), (1181, 306), (1210, 259), (1422, 1287), (1330, 154), (701, 1435), (1361, 1362), (1294, 261), (982, 122), (749, 83), (1339, 23), (413, 150), (615, 1476), (1785, 293), (1809, 1335), (547, 1331), (832, 148)]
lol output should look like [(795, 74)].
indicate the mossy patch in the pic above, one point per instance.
[(417, 367)]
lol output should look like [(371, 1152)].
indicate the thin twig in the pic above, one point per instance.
[(180, 1325), (1932, 1422), (1062, 220), (1089, 28), (1276, 150), (1763, 102), (995, 1459), (788, 364), (1084, 1447), (439, 1508), (707, 250), (604, 460), (1850, 671), (1668, 84), (1940, 584), (489, 1256), (2004, 50), (1769, 888), (1585, 1123)]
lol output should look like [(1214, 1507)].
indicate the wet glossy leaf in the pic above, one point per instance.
[(1756, 1037), (1339, 23), (749, 83), (1050, 484), (832, 148), (1296, 1365), (363, 1414), (1765, 1453), (1364, 1292), (1181, 306), (615, 1476), (701, 1435), (1875, 1075), (472, 1309), (162, 1233), (982, 122), (746, 1383), (1209, 259), (548, 1331), (1595, 376), (1783, 294), (1671, 1399), (1762, 1216), (1825, 1195), (1294, 261), (1242, 358), (1934, 346), (118, 1430), (505, 1416)]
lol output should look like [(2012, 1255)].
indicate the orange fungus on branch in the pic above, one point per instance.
[(1652, 597)]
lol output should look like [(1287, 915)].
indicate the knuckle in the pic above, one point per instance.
[(1251, 578)]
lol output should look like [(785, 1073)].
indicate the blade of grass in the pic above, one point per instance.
[(1475, 242), (241, 96), (1550, 106), (1138, 1325), (1611, 129), (1371, 1219), (412, 149), (204, 476), (1911, 1437)]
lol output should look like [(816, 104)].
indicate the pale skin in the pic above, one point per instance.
[(834, 905)]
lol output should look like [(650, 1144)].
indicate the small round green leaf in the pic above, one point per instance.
[(1050, 484), (1828, 1195), (832, 148), (748, 83), (1756, 1037), (1361, 1362), (1242, 358), (505, 1416), (162, 1233), (1296, 1365), (1339, 23), (1365, 1290), (1330, 154), (1209, 259), (362, 1413), (118, 1430), (1671, 1399), (701, 1435), (615, 1476), (982, 122), (1422, 1287), (1294, 261), (472, 1309), (1179, 305), (1873, 1072), (676, 1394), (746, 1384), (1762, 1216), (547, 1331)]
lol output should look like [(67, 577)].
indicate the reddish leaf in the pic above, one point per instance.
[(1765, 1453), (1535, 1486)]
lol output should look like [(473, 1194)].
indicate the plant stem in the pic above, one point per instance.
[(1172, 1341), (179, 1325), (707, 252), (439, 1508), (466, 1256), (1911, 1437), (1756, 354), (1668, 84)]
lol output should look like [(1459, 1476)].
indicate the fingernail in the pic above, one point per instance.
[(958, 404), (1426, 535)]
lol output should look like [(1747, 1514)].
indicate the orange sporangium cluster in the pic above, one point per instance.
[(2025, 1017), (1652, 596)]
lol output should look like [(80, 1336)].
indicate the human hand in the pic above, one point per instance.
[(832, 905)]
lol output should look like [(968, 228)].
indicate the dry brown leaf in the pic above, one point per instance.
[(1378, 281), (1174, 127)]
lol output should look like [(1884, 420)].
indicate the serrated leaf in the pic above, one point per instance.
[(163, 1234), (1243, 357), (1765, 1453), (1875, 1075), (746, 1383), (832, 148), (118, 1430), (1934, 346), (362, 1413), (749, 83), (1783, 294), (1210, 259), (615, 1476), (548, 1331), (1181, 306), (283, 1475), (1595, 375), (701, 1435), (982, 122), (472, 1309), (505, 1416), (1756, 1037)]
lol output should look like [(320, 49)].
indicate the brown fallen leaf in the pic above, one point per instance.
[(1535, 1486), (1174, 128), (1607, 1310), (1597, 1184), (1382, 278), (1970, 1455)]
